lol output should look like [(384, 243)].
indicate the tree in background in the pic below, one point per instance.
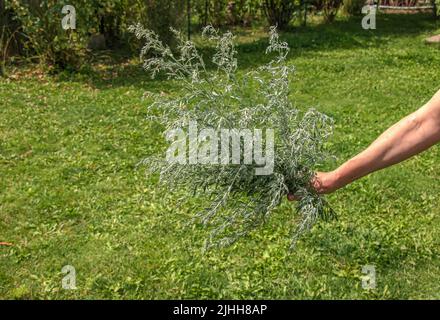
[(161, 15), (38, 22), (242, 12), (353, 7), (9, 38), (226, 12), (279, 12), (330, 9)]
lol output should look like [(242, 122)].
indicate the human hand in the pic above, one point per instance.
[(323, 182)]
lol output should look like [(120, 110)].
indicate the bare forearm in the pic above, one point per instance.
[(412, 135)]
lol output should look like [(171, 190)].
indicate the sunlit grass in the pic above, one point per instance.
[(70, 192)]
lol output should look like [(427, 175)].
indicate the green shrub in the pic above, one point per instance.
[(161, 15), (242, 12), (7, 36), (218, 12), (279, 12), (114, 16), (353, 7), (330, 9), (40, 21), (317, 5), (221, 12)]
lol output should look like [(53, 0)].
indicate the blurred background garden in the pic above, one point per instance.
[(73, 128)]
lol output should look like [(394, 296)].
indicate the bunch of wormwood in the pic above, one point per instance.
[(218, 98)]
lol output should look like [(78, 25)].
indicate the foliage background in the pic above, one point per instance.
[(38, 36)]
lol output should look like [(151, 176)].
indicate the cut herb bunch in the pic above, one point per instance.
[(220, 98)]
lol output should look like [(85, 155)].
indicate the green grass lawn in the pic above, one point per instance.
[(71, 194)]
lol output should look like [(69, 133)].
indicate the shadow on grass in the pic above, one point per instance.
[(122, 69)]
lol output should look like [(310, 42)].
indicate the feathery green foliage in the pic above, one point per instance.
[(240, 199)]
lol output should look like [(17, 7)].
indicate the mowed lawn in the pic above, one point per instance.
[(71, 193)]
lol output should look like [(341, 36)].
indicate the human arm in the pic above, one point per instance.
[(408, 137)]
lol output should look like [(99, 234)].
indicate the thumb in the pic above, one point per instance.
[(292, 197)]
